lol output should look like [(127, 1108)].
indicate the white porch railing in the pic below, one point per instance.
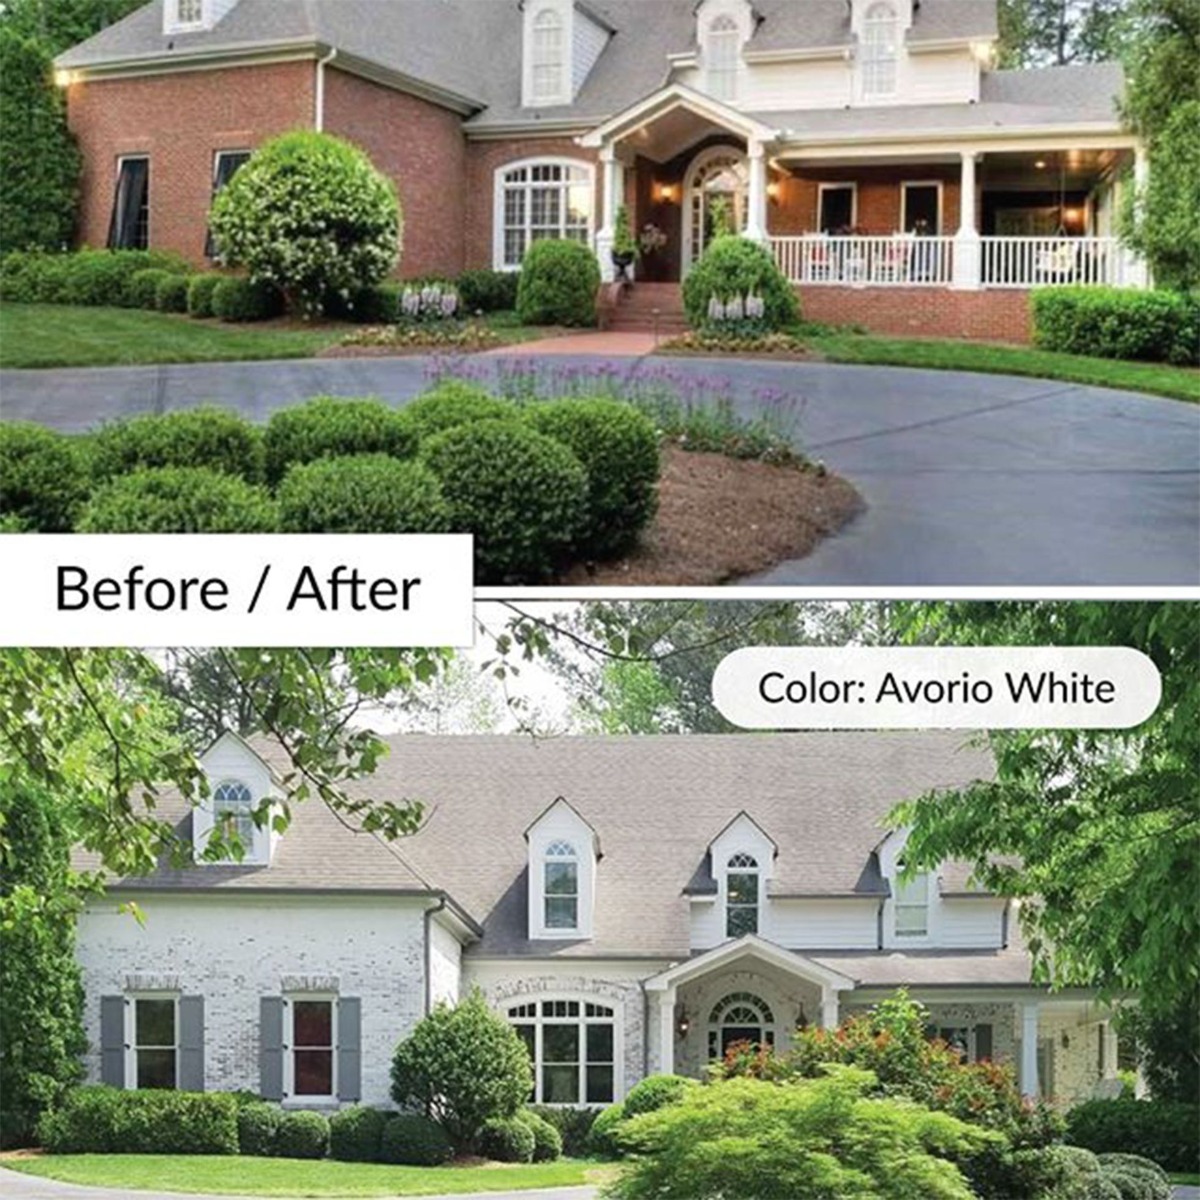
[(898, 261), (1027, 262)]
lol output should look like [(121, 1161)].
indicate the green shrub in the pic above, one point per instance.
[(327, 427), (558, 286), (1138, 1162), (488, 291), (310, 215), (43, 477), (1137, 1183), (366, 493), (655, 1092), (547, 1141), (258, 1128), (1126, 323), (302, 1134), (200, 294), (450, 404), (1164, 1131), (573, 1125), (506, 1139), (618, 447), (603, 1140), (735, 268), (355, 1134), (143, 287), (377, 305), (462, 1066), (88, 277), (171, 294), (412, 1140), (239, 300), (196, 437), (105, 1120), (522, 494), (179, 500)]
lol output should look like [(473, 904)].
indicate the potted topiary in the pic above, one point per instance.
[(625, 250)]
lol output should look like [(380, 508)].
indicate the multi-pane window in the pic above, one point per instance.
[(548, 65), (879, 51), (189, 12), (129, 228), (233, 813), (741, 896), (543, 200), (560, 886), (912, 906), (739, 1017), (226, 164), (155, 1042), (721, 57), (572, 1046), (312, 1047)]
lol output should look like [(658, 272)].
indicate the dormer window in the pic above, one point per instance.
[(722, 51), (881, 32), (233, 815), (549, 58), (183, 16), (560, 891), (741, 896), (912, 906)]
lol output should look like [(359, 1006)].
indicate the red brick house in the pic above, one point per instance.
[(842, 133)]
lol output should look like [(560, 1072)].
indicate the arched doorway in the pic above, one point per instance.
[(718, 179), (739, 1017)]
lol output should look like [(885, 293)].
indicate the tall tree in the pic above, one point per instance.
[(1164, 64), (1038, 33), (57, 25)]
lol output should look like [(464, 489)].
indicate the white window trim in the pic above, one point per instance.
[(559, 26), (290, 999), (822, 188), (537, 1022), (175, 24), (880, 97), (122, 159), (226, 152), (730, 30), (756, 871), (914, 939), (131, 1042), (969, 1030), (770, 1029), (498, 192), (941, 194)]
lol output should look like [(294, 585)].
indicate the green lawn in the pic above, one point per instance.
[(294, 1177), (1192, 1177)]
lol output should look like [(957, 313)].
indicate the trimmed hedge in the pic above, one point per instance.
[(43, 477), (547, 1141), (327, 427), (618, 447), (366, 493), (452, 403), (88, 277), (412, 1140), (1164, 1131), (106, 1120), (302, 1134), (507, 1139), (355, 1134), (573, 1125), (488, 291), (522, 494), (198, 437), (737, 267), (559, 282), (171, 295), (179, 500), (655, 1092), (200, 294), (1125, 323), (240, 300), (378, 305), (603, 1136), (258, 1128), (143, 287)]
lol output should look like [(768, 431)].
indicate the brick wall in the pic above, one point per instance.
[(180, 120)]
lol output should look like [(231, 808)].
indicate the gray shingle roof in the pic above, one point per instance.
[(916, 968)]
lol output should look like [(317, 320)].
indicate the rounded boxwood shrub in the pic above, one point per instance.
[(171, 294), (573, 1124), (200, 294), (602, 1138), (412, 1140), (366, 493), (559, 282), (488, 291), (143, 287), (452, 403), (196, 437), (655, 1092), (43, 477), (1137, 1183), (302, 1134), (1136, 1161), (522, 494), (547, 1141), (1126, 323), (355, 1134), (618, 447), (737, 267), (239, 300), (507, 1139), (179, 500), (327, 427), (258, 1128)]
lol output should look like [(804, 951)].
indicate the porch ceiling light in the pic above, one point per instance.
[(1040, 164)]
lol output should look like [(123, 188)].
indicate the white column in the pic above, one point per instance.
[(1110, 1050), (756, 217), (1136, 269), (666, 1031), (613, 194), (829, 1007), (967, 249), (1029, 1049)]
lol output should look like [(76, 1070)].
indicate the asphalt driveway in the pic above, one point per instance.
[(970, 479)]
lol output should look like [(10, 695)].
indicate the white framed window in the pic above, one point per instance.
[(548, 68), (310, 1047), (742, 886), (880, 52), (912, 906), (721, 54), (542, 198), (233, 814), (152, 1041), (182, 15), (560, 886), (226, 164), (739, 1017), (573, 1046)]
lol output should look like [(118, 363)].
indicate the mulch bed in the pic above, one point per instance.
[(720, 518)]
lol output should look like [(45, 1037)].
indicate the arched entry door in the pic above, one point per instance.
[(718, 180), (740, 1017)]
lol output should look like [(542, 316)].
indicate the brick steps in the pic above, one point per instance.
[(647, 307)]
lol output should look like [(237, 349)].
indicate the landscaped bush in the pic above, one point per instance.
[(327, 427), (178, 500), (197, 437), (618, 447), (143, 287), (258, 1128), (735, 268), (412, 1140), (105, 1120), (655, 1092), (523, 495), (302, 1135), (462, 1066), (506, 1139), (355, 1134), (88, 277), (1126, 323), (451, 404), (488, 291), (1164, 1131), (171, 295), (200, 294), (559, 281), (574, 1125), (240, 300), (310, 215), (547, 1141), (43, 477), (366, 493), (603, 1136), (378, 305), (1138, 1162)]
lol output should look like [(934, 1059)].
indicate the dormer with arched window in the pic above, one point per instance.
[(742, 858), (563, 853), (881, 29), (238, 783), (722, 29), (560, 46)]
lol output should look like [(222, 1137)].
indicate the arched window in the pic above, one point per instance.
[(548, 66), (879, 50), (741, 896), (572, 1046), (912, 906), (560, 892), (739, 1017), (233, 813), (723, 49), (541, 199)]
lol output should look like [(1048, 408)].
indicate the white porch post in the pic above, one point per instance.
[(968, 251), (829, 1007), (1137, 270), (1029, 1049), (613, 192), (756, 217), (1110, 1050), (666, 1031)]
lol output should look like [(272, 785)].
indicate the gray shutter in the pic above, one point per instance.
[(983, 1042), (112, 1040), (191, 1043), (270, 1047), (349, 1052)]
